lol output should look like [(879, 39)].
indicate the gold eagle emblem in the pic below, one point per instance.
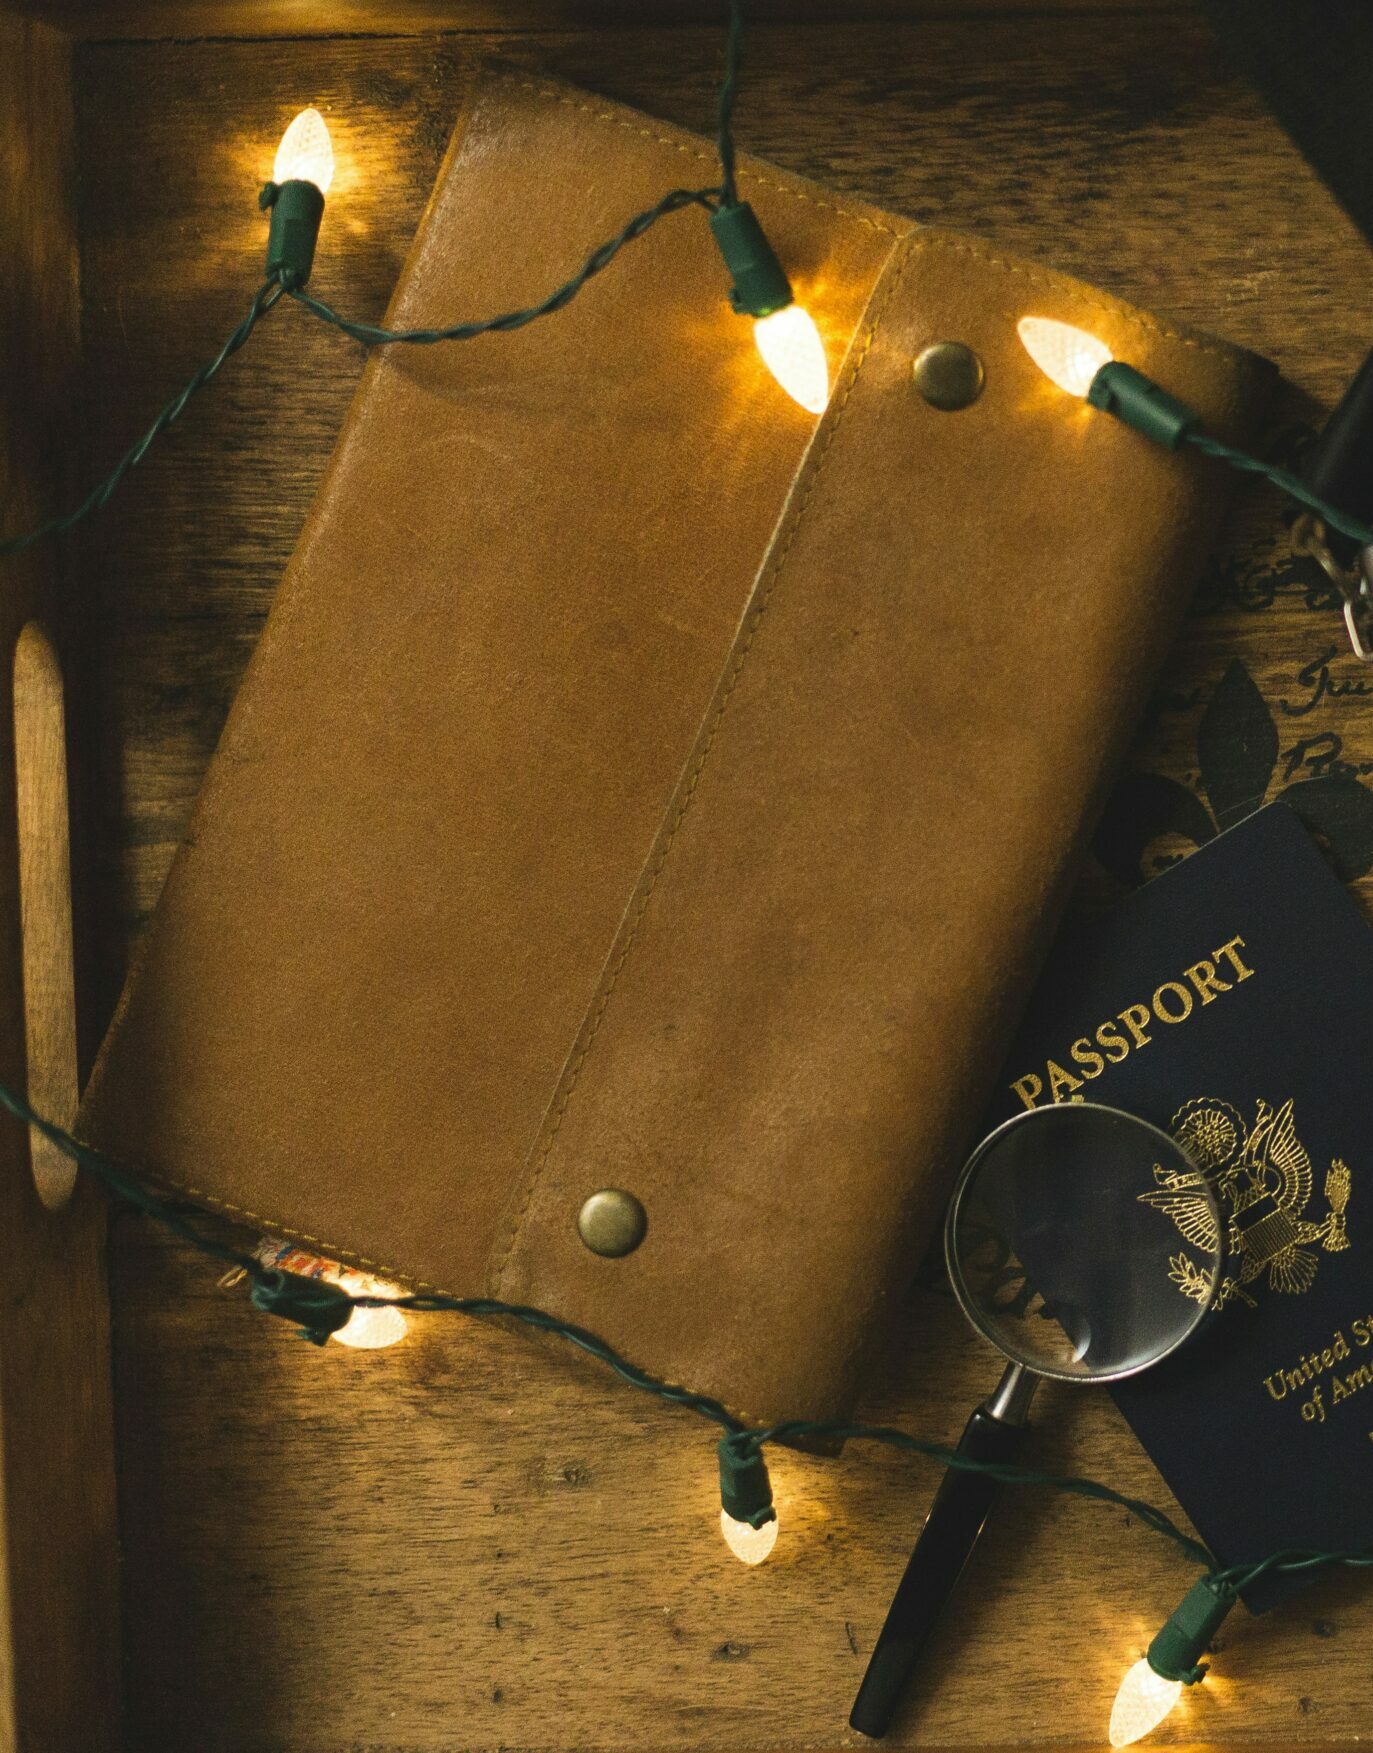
[(1262, 1180)]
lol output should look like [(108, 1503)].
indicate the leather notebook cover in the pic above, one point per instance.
[(641, 784)]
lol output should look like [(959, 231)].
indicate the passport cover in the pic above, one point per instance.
[(1230, 1002), (643, 784)]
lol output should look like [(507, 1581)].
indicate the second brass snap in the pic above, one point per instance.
[(948, 375), (612, 1223)]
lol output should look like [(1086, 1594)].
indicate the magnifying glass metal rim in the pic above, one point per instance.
[(1201, 1305)]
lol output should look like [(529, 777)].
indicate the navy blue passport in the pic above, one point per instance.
[(1230, 1002)]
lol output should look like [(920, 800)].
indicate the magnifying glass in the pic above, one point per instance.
[(1060, 1240)]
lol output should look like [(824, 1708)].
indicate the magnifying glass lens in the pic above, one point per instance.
[(1084, 1243)]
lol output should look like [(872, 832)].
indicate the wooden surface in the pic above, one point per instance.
[(96, 19), (59, 1644), (461, 1542)]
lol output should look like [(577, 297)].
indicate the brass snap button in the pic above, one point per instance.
[(948, 375), (612, 1223)]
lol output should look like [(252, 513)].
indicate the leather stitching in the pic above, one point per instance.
[(378, 1268), (688, 150), (963, 246)]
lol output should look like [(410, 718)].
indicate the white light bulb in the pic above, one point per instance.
[(1071, 357), (1143, 1701), (748, 1544), (365, 1329), (306, 153), (370, 1329), (795, 355)]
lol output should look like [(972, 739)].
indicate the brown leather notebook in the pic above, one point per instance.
[(641, 784)]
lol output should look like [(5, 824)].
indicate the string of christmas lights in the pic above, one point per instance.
[(786, 336), (99, 497), (1081, 364), (323, 1305), (325, 1301), (784, 331)]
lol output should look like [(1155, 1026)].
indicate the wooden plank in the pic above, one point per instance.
[(105, 19), (462, 1541), (59, 1643)]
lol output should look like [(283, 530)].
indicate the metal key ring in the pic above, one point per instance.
[(1308, 537)]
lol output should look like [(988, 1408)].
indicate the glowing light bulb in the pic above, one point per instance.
[(1152, 1687), (787, 337), (795, 355), (1143, 1701), (1070, 357), (747, 1519), (749, 1545), (306, 153), (365, 1329), (370, 1329)]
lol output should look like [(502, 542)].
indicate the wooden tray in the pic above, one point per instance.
[(457, 1543)]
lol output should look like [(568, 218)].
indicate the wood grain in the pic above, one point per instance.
[(462, 1542), (59, 1641), (45, 903), (101, 19)]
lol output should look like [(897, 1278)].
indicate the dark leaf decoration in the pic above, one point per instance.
[(1237, 746), (1339, 812), (1143, 807)]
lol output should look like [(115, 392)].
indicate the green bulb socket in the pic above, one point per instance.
[(745, 1489), (1137, 400), (320, 1308), (760, 282), (1175, 1654), (297, 208)]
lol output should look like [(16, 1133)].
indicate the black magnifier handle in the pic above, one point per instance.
[(956, 1519)]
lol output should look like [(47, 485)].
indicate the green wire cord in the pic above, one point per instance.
[(373, 336), (1285, 480), (724, 111), (99, 497), (271, 291), (284, 1293)]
